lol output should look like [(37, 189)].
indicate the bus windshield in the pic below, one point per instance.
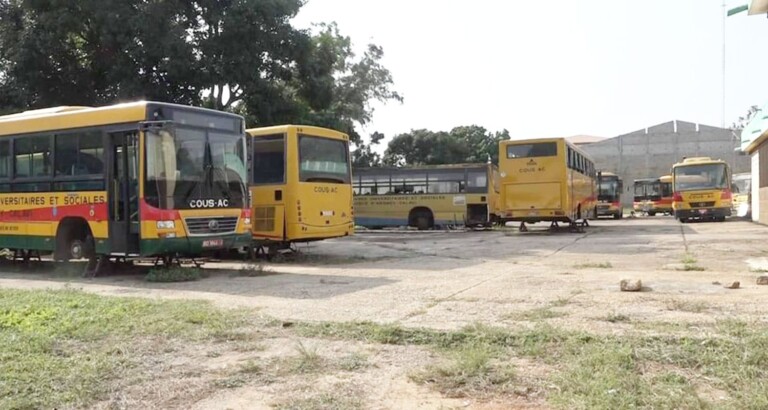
[(323, 160), (647, 190), (608, 190), (697, 177), (194, 168)]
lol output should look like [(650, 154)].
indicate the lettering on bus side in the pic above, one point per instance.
[(208, 203), (531, 169), (326, 190)]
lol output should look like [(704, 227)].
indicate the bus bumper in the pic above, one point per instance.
[(702, 213), (193, 246)]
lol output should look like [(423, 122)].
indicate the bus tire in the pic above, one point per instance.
[(617, 216), (421, 218), (651, 213), (74, 240)]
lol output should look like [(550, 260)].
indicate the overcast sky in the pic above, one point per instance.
[(558, 67)]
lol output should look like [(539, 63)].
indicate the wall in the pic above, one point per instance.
[(756, 186), (650, 152)]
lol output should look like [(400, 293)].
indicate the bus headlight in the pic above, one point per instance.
[(247, 221), (166, 225)]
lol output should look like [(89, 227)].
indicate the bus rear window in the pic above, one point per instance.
[(540, 149)]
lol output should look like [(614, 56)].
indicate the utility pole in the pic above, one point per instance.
[(722, 113)]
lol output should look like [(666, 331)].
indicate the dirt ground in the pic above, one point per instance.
[(448, 280)]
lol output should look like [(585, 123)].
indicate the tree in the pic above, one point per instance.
[(742, 122), (333, 88), (364, 155), (236, 55), (468, 144)]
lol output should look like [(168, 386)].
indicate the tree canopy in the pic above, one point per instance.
[(237, 55), (466, 144)]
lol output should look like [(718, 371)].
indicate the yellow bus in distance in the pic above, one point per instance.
[(742, 194), (546, 180), (609, 187), (702, 189), (427, 196), (143, 179), (300, 185)]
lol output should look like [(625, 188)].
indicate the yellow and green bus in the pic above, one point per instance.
[(425, 197), (702, 189), (128, 180), (546, 180), (301, 185), (609, 187)]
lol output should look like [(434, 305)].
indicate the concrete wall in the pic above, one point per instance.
[(650, 152)]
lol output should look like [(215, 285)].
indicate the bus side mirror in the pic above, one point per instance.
[(621, 186)]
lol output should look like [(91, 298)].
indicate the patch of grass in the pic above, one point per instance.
[(61, 349), (307, 359), (594, 265), (599, 371), (759, 270), (470, 373), (694, 306), (250, 367), (689, 264), (353, 362), (338, 399), (560, 302), (175, 274), (617, 318), (537, 314), (231, 382)]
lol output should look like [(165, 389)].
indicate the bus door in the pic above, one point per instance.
[(123, 194), (268, 167)]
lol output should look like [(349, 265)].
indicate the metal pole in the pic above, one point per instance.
[(722, 114)]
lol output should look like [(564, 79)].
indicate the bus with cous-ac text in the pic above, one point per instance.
[(425, 197), (142, 179), (702, 189), (300, 185), (609, 187), (548, 180)]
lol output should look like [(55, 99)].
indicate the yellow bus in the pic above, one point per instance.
[(427, 196), (702, 189), (653, 195), (609, 187), (742, 195), (546, 180), (301, 185), (128, 180)]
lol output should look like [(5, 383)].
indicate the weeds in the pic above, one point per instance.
[(593, 265), (689, 264), (62, 349), (687, 305), (307, 360), (353, 362), (470, 372), (617, 318)]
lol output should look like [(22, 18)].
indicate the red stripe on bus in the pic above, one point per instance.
[(94, 212)]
